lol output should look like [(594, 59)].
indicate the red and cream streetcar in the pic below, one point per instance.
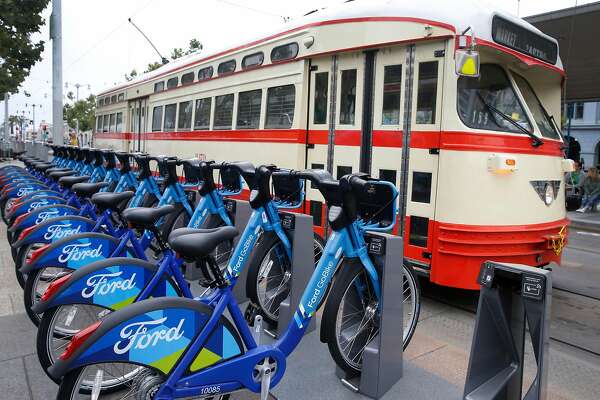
[(474, 91)]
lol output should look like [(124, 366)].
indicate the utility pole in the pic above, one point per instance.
[(5, 116), (57, 100)]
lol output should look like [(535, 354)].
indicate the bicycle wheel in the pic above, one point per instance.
[(269, 274), (57, 327), (350, 318), (37, 283), (116, 379), (23, 256)]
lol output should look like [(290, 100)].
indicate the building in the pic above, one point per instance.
[(575, 29)]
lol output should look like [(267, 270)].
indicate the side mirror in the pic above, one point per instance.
[(467, 63)]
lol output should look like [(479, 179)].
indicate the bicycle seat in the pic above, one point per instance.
[(42, 166), (200, 245), (56, 169), (86, 190), (112, 201), (59, 174), (145, 217), (68, 181), (188, 231)]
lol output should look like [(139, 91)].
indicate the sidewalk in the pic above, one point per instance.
[(585, 221)]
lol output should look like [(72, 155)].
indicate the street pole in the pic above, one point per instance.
[(57, 78), (5, 115), (77, 85)]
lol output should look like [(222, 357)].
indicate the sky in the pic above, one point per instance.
[(100, 46)]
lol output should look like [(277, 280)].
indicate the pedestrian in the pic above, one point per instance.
[(574, 180), (591, 191)]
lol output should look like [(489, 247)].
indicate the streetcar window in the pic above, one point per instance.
[(112, 123), (100, 102), (253, 60), (419, 231), (421, 187), (494, 89), (342, 171), (99, 123), (388, 175), (187, 78), (170, 115), (321, 93), (113, 99), (316, 211), (392, 83), (121, 97), (105, 124), (172, 83), (157, 114), (281, 101), (205, 73), (540, 115), (202, 118), (119, 127), (159, 86), (223, 112), (248, 115), (348, 97), (185, 115), (285, 52), (427, 92), (226, 67)]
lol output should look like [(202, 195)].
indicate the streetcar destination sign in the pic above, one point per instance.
[(523, 40)]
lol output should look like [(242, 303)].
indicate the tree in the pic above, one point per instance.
[(194, 46), (153, 66), (177, 53), (82, 110), (131, 75), (18, 21)]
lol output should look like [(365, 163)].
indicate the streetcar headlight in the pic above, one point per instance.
[(549, 194)]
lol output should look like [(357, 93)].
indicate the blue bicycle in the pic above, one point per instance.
[(180, 347)]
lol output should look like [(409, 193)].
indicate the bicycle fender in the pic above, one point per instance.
[(22, 190), (154, 333), (33, 203), (37, 193), (73, 252), (42, 214), (55, 229), (112, 284)]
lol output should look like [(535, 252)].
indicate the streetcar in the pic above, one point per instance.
[(475, 92)]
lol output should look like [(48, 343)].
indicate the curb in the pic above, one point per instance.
[(585, 225)]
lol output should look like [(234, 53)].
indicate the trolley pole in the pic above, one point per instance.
[(57, 78)]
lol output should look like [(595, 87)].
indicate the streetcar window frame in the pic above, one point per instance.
[(203, 74), (187, 79), (220, 121), (253, 60), (197, 114), (421, 101), (170, 117), (112, 123), (157, 118), (293, 54), (503, 129), (119, 122), (319, 100), (250, 118), (159, 86), (281, 107), (348, 99), (173, 82), (227, 67), (184, 115), (391, 116)]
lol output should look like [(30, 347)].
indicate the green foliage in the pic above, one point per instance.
[(18, 20), (194, 46), (130, 76), (82, 110)]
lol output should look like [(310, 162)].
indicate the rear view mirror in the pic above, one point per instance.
[(467, 63)]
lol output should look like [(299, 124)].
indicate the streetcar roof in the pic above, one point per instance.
[(458, 14)]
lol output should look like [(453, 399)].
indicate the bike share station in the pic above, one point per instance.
[(513, 313)]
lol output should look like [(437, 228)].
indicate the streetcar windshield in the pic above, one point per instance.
[(540, 115), (480, 99)]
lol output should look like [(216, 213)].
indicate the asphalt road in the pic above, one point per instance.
[(580, 269)]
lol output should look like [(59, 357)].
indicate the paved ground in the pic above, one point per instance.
[(435, 362)]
